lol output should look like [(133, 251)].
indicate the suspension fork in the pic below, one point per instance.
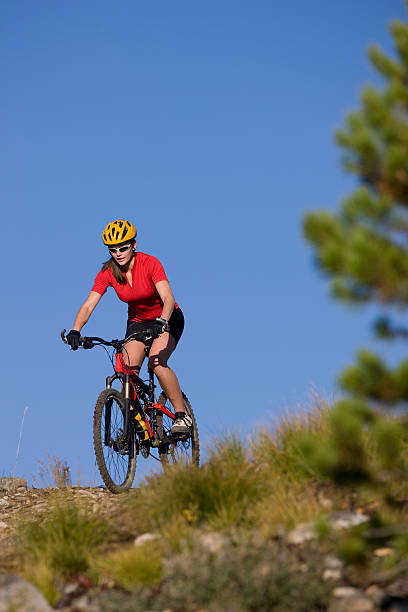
[(107, 438), (126, 393)]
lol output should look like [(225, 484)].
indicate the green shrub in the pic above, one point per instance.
[(280, 450), (245, 576), (59, 544), (132, 567)]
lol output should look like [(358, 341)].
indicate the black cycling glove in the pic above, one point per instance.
[(164, 323), (73, 339)]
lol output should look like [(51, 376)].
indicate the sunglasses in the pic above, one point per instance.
[(123, 249)]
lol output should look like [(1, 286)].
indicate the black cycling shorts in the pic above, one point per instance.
[(176, 323)]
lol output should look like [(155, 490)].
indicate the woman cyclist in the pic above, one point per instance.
[(139, 279)]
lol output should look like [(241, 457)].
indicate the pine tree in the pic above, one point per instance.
[(363, 249)]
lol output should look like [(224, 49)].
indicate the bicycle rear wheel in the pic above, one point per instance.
[(185, 449), (115, 455)]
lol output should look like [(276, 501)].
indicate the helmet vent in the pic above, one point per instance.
[(118, 231)]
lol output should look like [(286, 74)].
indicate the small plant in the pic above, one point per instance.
[(279, 449), (60, 545), (53, 472), (19, 440), (132, 567), (42, 575)]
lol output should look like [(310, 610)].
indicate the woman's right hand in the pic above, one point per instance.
[(73, 339)]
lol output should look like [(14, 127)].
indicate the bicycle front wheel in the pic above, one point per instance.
[(115, 454), (184, 449)]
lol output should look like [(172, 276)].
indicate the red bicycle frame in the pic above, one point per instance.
[(135, 386)]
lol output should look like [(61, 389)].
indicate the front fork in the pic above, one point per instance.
[(126, 393), (127, 430)]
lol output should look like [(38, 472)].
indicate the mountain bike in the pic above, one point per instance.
[(128, 421)]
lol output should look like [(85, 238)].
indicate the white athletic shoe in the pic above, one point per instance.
[(182, 423)]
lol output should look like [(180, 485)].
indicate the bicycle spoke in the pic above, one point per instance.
[(116, 461), (183, 449)]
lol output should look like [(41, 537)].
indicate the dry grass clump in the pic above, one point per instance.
[(286, 503), (59, 544), (218, 493), (291, 492), (53, 472), (130, 567), (266, 484), (279, 448)]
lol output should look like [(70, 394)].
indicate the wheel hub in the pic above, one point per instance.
[(120, 444)]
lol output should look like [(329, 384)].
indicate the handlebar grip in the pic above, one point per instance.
[(86, 343), (82, 341)]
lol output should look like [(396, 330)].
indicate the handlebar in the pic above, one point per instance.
[(88, 342)]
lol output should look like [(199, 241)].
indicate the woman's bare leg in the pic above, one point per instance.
[(160, 352), (134, 354)]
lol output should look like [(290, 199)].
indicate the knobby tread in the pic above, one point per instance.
[(98, 445)]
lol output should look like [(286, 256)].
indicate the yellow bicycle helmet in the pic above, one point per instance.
[(118, 231)]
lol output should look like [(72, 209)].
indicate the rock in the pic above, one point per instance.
[(360, 604), (331, 574), (349, 599), (383, 552), (337, 520), (71, 588), (3, 502), (82, 603), (8, 483), (344, 519), (18, 594), (375, 593), (342, 592), (354, 603), (399, 588), (212, 541), (3, 525), (332, 562), (145, 538), (301, 533)]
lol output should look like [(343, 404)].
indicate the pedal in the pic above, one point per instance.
[(181, 437)]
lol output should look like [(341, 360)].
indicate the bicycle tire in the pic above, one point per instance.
[(188, 449), (116, 465)]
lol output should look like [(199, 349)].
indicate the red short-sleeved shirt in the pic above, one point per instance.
[(142, 297)]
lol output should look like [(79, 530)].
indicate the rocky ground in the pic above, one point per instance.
[(16, 502)]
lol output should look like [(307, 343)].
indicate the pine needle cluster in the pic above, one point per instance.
[(363, 249)]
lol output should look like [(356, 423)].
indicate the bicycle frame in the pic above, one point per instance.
[(134, 388), (128, 421)]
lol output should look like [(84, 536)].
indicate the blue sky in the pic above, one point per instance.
[(210, 126)]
